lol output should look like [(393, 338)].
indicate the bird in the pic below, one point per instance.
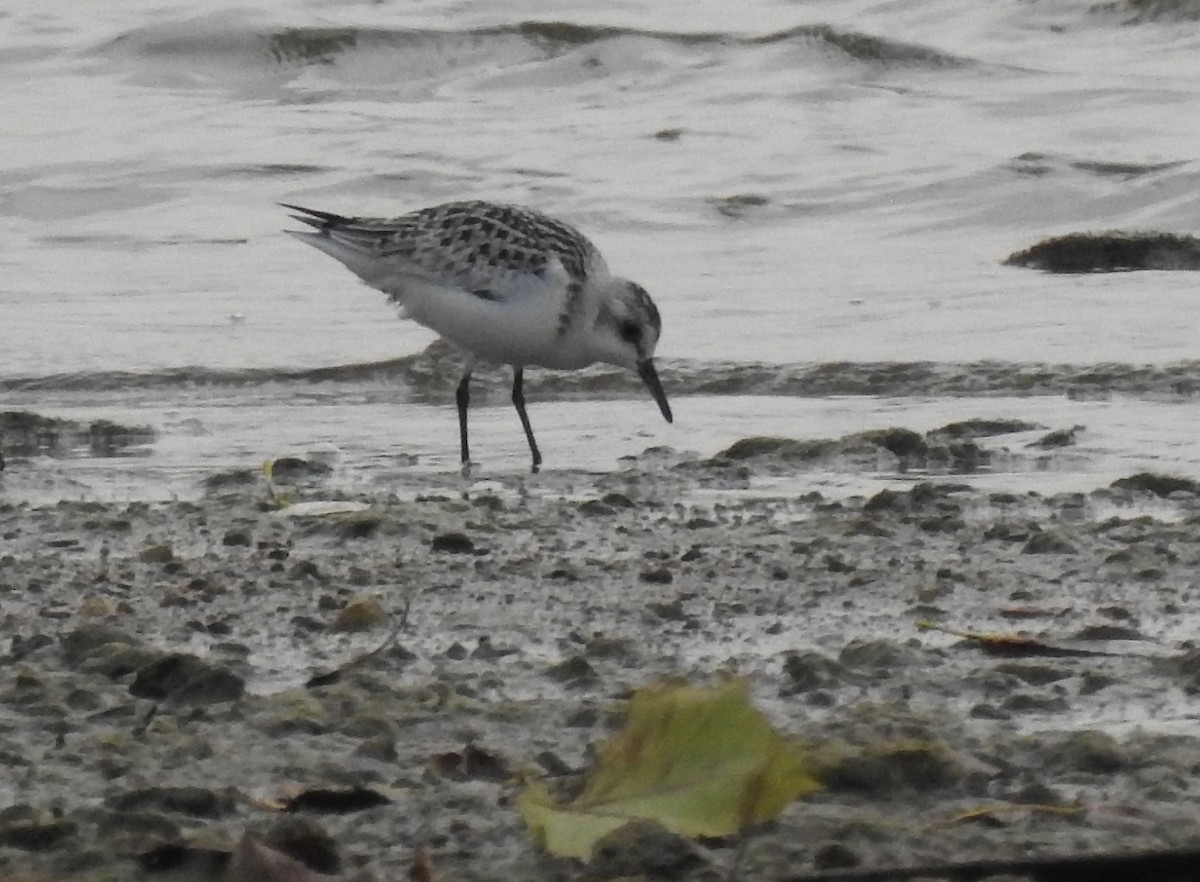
[(507, 284)]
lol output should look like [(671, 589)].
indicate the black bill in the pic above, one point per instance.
[(650, 377)]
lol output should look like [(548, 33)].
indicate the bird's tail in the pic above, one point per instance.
[(345, 238)]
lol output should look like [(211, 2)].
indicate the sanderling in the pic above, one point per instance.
[(509, 285)]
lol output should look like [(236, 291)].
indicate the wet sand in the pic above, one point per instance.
[(157, 698)]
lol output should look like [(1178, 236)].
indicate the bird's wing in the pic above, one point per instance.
[(495, 251)]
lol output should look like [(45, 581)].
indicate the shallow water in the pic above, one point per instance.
[(803, 188)]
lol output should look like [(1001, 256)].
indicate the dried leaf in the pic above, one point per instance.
[(987, 812), (1015, 644)]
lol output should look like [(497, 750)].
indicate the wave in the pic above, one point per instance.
[(1133, 12), (227, 40), (433, 373)]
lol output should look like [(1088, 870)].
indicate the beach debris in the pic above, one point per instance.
[(1015, 644)]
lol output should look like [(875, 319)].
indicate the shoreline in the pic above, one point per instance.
[(529, 614)]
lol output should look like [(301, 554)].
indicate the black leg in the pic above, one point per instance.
[(463, 398), (519, 403)]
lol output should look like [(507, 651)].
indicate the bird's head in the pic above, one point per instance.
[(627, 330)]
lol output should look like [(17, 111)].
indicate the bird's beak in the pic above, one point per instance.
[(649, 376)]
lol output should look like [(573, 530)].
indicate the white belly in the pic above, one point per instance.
[(522, 330)]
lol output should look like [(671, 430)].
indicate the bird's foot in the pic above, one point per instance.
[(464, 484)]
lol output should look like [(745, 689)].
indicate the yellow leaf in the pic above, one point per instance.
[(700, 761)]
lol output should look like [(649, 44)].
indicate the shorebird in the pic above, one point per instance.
[(507, 284)]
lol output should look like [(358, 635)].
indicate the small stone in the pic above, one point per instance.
[(1025, 703), (362, 613), (29, 829), (1158, 485), (1035, 675), (879, 655), (835, 856), (380, 748), (671, 611), (1058, 438), (230, 480), (1047, 543), (1091, 751), (161, 553), (596, 508), (808, 671), (362, 526), (136, 832), (117, 659), (574, 671), (660, 576), (188, 679), (96, 607), (470, 763), (85, 640), (886, 500), (289, 469), (488, 501), (236, 538), (988, 712), (1109, 632), (305, 840), (835, 563), (304, 569), (486, 650), (887, 767), (643, 848), (1091, 683), (199, 802), (453, 543), (623, 649), (307, 624), (295, 714)]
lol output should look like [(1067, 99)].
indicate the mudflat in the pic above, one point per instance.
[(360, 678)]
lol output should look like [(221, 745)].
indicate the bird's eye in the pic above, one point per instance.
[(631, 332)]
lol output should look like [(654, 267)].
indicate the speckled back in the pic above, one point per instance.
[(479, 239)]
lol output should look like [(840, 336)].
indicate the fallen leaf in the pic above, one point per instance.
[(700, 761)]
